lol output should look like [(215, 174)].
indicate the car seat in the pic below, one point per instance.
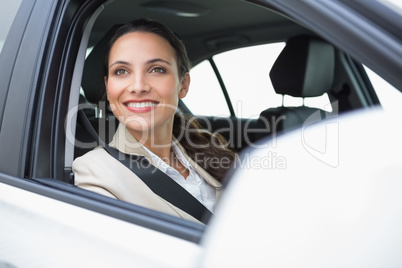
[(304, 68)]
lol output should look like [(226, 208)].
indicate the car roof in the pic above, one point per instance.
[(206, 27)]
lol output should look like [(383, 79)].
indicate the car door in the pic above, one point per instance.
[(47, 222)]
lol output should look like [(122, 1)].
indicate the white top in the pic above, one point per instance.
[(194, 183)]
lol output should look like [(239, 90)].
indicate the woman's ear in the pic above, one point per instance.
[(185, 84)]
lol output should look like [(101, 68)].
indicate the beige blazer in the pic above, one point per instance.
[(99, 172)]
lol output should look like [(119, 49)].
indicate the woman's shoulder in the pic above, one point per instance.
[(97, 155), (97, 167), (94, 153)]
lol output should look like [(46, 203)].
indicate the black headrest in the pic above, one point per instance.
[(93, 76), (305, 67)]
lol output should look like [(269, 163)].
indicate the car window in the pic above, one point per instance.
[(245, 74), (8, 10), (390, 98), (205, 96)]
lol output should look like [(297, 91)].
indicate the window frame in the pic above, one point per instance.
[(9, 53)]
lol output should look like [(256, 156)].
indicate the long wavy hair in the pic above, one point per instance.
[(207, 149)]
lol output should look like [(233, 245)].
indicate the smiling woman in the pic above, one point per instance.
[(144, 88), (146, 73)]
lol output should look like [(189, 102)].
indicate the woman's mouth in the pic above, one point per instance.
[(140, 106)]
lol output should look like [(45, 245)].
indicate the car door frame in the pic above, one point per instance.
[(43, 69)]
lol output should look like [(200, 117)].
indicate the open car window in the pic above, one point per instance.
[(232, 82), (242, 71)]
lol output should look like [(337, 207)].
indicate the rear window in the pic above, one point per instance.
[(245, 73)]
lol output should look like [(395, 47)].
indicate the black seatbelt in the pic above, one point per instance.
[(160, 183)]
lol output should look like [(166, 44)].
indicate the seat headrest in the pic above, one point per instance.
[(305, 67), (93, 77)]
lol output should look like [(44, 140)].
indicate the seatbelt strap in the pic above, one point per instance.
[(160, 183)]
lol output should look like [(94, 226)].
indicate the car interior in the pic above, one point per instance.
[(308, 66)]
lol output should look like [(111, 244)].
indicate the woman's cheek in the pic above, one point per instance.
[(114, 89)]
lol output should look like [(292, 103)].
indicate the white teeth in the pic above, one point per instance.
[(141, 104)]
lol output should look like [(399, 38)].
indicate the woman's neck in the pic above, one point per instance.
[(160, 143), (157, 141)]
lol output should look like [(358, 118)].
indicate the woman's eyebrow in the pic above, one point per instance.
[(158, 60), (148, 62), (119, 62)]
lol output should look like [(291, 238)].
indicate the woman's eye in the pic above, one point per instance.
[(120, 72), (158, 70)]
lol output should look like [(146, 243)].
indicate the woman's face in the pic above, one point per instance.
[(143, 84)]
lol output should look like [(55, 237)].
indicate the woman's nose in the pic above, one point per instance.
[(138, 84)]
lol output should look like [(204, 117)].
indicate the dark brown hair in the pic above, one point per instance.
[(206, 149), (151, 26)]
